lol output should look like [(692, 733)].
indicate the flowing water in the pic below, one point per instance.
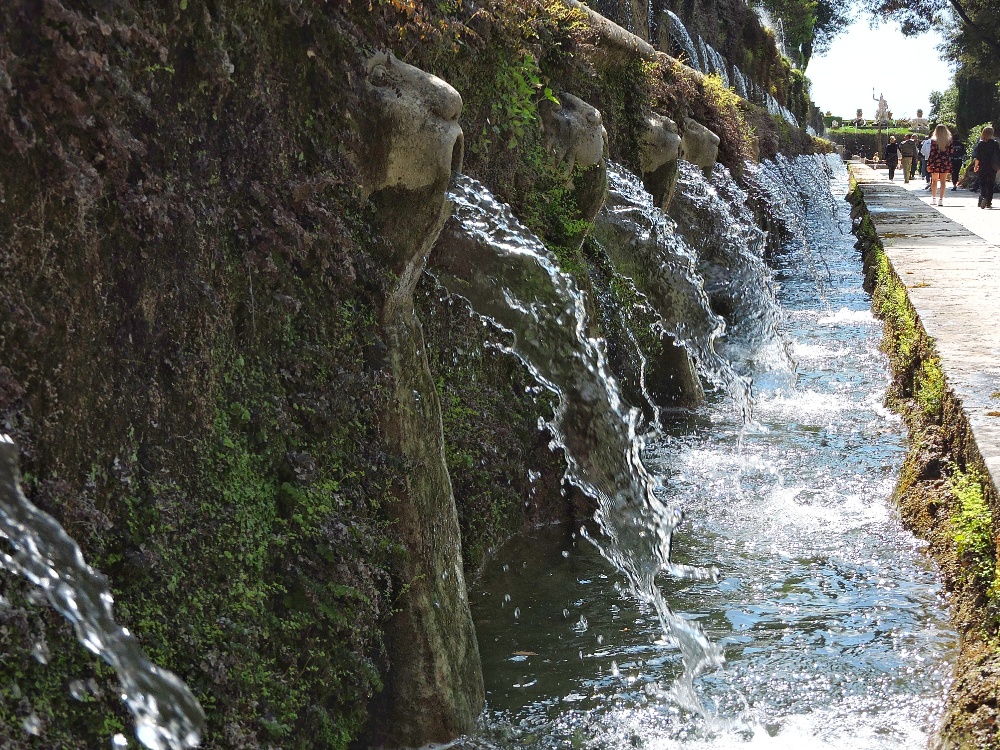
[(830, 617), (512, 281), (167, 715), (713, 216), (706, 59), (679, 33), (644, 245)]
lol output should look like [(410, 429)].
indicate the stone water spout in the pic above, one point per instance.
[(417, 139), (573, 131), (413, 146), (700, 145), (659, 150)]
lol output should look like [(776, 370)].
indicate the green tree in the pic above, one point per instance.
[(944, 105), (832, 17)]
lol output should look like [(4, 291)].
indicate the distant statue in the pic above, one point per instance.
[(920, 123), (859, 119), (882, 113)]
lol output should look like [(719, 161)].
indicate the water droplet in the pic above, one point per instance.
[(506, 568), (32, 725), (615, 672), (600, 640), (582, 624), (517, 613), (41, 652), (566, 614), (119, 740), (565, 553), (78, 690)]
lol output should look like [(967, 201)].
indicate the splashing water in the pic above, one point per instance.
[(795, 199), (644, 245), (510, 278), (835, 632), (713, 217), (167, 716)]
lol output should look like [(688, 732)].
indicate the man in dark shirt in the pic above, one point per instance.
[(986, 162), (908, 150), (892, 156)]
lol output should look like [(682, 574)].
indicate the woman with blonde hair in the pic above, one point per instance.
[(939, 161)]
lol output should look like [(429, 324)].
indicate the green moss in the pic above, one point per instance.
[(929, 388), (891, 304), (972, 528)]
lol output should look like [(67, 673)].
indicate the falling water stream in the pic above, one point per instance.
[(830, 617), (167, 715)]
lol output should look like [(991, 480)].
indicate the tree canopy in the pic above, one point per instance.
[(972, 28)]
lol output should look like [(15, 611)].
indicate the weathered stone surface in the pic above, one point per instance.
[(412, 135), (434, 689), (573, 131), (659, 143), (659, 150), (699, 145)]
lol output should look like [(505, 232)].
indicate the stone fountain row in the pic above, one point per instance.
[(414, 148)]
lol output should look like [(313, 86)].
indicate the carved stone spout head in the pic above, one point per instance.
[(573, 131), (412, 145), (659, 143), (410, 132), (659, 149), (700, 145)]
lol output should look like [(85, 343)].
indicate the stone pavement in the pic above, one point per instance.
[(952, 277), (959, 205)]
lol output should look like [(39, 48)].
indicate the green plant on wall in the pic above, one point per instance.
[(516, 90), (929, 388), (972, 528)]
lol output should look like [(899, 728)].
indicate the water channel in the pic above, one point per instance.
[(831, 619)]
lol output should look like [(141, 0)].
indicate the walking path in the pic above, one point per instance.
[(952, 276)]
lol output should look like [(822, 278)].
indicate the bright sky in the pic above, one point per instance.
[(904, 69)]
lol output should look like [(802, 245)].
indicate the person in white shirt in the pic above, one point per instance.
[(925, 152)]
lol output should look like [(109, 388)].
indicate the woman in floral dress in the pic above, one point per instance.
[(939, 162)]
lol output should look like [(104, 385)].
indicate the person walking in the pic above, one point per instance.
[(939, 162), (892, 156), (958, 152), (985, 163), (925, 152), (908, 151)]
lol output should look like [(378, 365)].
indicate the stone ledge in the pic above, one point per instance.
[(951, 277)]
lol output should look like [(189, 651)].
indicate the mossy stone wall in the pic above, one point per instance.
[(190, 356)]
